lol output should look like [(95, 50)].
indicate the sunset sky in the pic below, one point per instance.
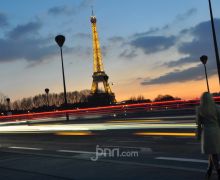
[(149, 47)]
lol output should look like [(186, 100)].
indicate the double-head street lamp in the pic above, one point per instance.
[(204, 60), (60, 39)]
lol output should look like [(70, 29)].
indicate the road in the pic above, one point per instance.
[(152, 148)]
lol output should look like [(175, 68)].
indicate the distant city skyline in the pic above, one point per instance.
[(149, 47)]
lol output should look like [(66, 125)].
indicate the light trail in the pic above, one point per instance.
[(80, 133), (176, 134), (94, 127), (26, 148), (134, 121)]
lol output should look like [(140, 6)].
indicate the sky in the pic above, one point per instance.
[(149, 47)]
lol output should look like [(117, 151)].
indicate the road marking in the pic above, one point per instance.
[(72, 151), (29, 148), (143, 149), (182, 159)]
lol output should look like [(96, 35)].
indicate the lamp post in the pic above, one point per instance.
[(60, 39), (8, 104), (47, 94), (204, 59), (215, 40)]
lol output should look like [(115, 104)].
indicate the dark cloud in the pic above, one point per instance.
[(28, 49), (127, 53), (3, 20), (194, 73), (70, 10), (24, 30), (150, 41), (182, 61), (149, 32), (152, 44), (21, 43), (201, 43)]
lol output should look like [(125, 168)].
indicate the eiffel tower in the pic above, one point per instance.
[(99, 75)]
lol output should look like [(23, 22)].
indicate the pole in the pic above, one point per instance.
[(215, 41), (47, 100), (64, 84), (206, 78)]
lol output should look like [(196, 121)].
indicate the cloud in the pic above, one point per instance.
[(116, 39), (86, 3), (201, 43), (186, 15), (150, 41), (179, 18), (83, 36), (3, 20), (70, 10), (21, 42), (28, 49), (24, 30), (128, 53), (152, 44), (59, 10), (149, 32), (193, 73)]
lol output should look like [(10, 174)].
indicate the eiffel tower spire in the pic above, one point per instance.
[(97, 55), (99, 75)]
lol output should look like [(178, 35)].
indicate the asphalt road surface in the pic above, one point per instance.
[(152, 148)]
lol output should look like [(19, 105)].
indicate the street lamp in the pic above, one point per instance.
[(47, 92), (9, 107), (8, 104), (60, 39), (215, 40), (204, 59)]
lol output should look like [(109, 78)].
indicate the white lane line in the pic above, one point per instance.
[(182, 159), (29, 148), (145, 149), (72, 151)]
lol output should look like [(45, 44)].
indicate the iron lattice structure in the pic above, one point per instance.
[(99, 75)]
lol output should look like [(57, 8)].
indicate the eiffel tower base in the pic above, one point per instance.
[(101, 99)]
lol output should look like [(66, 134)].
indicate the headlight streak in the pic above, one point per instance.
[(94, 127)]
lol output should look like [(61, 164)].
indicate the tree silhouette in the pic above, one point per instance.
[(165, 98)]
